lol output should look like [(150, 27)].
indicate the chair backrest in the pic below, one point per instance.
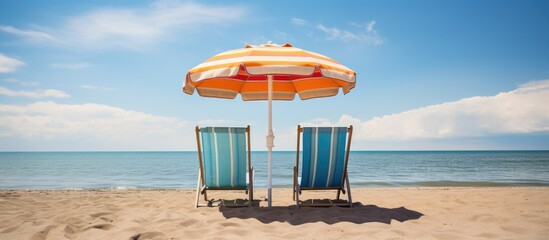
[(324, 157), (224, 157)]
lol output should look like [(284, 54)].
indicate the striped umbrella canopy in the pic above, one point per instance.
[(246, 70), (269, 72)]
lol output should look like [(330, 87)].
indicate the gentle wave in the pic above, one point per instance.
[(450, 184), (176, 170)]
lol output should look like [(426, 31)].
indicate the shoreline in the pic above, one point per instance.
[(265, 189), (378, 213), (371, 185)]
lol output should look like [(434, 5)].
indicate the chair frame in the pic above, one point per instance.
[(201, 188), (340, 189)]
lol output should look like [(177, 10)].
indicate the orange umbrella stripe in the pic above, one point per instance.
[(296, 86), (239, 86), (227, 84), (262, 87), (304, 85)]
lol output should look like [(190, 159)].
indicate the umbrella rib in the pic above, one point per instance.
[(242, 86)]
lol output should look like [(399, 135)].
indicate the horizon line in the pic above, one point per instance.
[(259, 151)]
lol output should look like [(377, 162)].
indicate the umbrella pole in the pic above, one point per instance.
[(270, 138)]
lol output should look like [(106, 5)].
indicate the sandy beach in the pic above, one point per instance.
[(379, 213)]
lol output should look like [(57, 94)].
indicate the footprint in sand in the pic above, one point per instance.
[(141, 221), (42, 234), (210, 221), (146, 235), (488, 235), (104, 216), (513, 229), (70, 231), (96, 215), (481, 217), (229, 224), (75, 222), (11, 229), (106, 219), (188, 223), (100, 226)]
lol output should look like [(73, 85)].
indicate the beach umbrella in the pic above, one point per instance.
[(269, 72)]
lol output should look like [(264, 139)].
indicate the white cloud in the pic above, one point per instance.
[(30, 35), (99, 127), (71, 66), (370, 27), (281, 35), (300, 22), (133, 27), (362, 32), (41, 93), (92, 87), (8, 64), (371, 34), (22, 83), (333, 33), (521, 111), (365, 33)]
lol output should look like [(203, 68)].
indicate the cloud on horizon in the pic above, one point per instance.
[(8, 64), (40, 93), (93, 87), (98, 126), (21, 83), (520, 111), (130, 27)]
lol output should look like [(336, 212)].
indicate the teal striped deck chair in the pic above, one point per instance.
[(325, 156), (225, 161)]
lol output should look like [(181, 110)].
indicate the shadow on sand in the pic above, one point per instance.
[(296, 216)]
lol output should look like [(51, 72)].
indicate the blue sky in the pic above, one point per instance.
[(431, 75)]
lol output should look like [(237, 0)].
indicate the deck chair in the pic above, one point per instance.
[(225, 161), (325, 157)]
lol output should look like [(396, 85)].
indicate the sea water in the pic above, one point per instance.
[(179, 170)]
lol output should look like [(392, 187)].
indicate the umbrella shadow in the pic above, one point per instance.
[(358, 214)]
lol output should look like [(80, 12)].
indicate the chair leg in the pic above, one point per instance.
[(297, 195), (250, 198), (349, 190), (251, 189), (295, 183), (296, 188), (338, 192), (197, 190), (205, 195)]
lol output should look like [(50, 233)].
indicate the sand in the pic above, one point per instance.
[(388, 213)]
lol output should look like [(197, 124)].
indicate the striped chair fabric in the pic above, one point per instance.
[(323, 157), (224, 152)]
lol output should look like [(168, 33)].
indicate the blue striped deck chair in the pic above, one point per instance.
[(325, 156), (225, 160)]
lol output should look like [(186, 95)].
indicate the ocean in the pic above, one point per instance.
[(179, 170)]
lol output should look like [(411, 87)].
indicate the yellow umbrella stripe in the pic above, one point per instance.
[(199, 69), (255, 52)]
